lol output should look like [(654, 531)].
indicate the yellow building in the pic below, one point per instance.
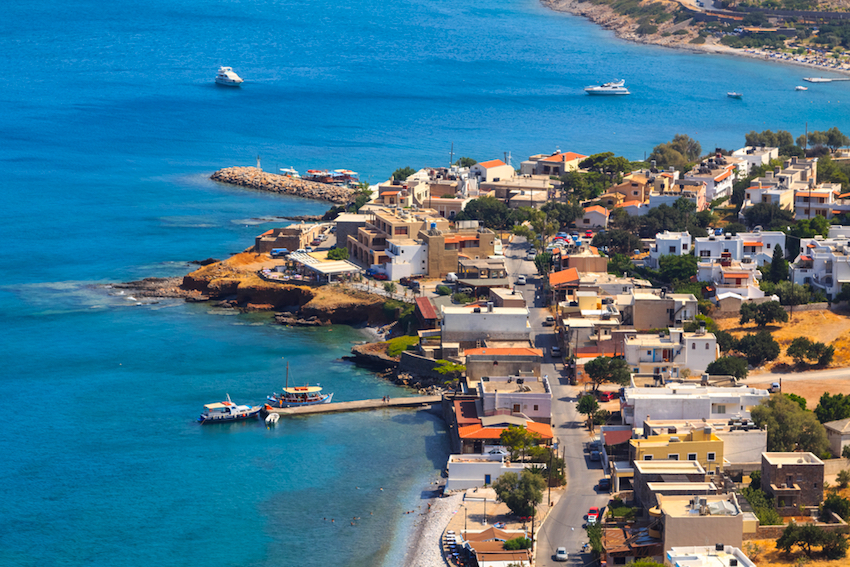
[(700, 445)]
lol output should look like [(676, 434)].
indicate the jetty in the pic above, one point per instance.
[(258, 179), (418, 402)]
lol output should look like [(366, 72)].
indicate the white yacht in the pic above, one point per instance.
[(227, 77), (612, 88)]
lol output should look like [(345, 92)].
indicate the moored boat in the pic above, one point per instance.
[(227, 411), (298, 396), (612, 88), (735, 95), (227, 77), (801, 88)]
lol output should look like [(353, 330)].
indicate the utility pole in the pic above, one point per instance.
[(551, 454)]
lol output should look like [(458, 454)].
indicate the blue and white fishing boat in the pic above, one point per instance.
[(227, 411), (298, 396)]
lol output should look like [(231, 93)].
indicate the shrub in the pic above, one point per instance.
[(835, 503), (338, 254), (462, 298), (762, 506), (398, 345), (728, 366), (390, 287), (444, 290), (759, 348), (518, 543)]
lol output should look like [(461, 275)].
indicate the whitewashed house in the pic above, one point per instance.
[(668, 243), (670, 354), (687, 401)]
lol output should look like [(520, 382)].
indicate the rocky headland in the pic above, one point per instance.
[(259, 179)]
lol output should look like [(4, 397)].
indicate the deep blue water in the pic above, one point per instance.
[(109, 127)]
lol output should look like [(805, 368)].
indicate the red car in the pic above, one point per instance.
[(606, 396), (588, 234), (381, 276), (592, 516)]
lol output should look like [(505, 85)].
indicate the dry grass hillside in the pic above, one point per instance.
[(823, 326)]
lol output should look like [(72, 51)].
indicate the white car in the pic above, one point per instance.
[(561, 554), (521, 280)]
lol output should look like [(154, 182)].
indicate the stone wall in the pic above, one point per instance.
[(834, 466), (774, 532), (419, 366)]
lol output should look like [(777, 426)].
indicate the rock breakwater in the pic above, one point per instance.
[(259, 179)]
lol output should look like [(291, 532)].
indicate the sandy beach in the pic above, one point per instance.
[(625, 28)]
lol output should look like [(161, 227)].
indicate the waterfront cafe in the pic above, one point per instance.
[(320, 272)]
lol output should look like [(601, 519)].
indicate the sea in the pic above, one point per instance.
[(110, 125)]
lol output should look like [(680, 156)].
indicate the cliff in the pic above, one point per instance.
[(259, 179)]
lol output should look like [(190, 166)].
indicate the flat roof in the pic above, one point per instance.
[(503, 387), (336, 267), (707, 556), (461, 309), (506, 293), (791, 459), (662, 486), (682, 505), (668, 467)]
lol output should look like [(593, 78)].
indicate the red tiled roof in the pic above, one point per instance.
[(633, 203), (480, 432), (567, 156), (617, 437), (523, 351), (489, 534), (455, 238), (426, 308), (391, 192), (723, 175), (598, 209), (492, 163), (569, 275)]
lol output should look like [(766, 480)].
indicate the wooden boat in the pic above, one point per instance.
[(298, 396)]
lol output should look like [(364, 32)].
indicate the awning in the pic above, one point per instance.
[(618, 437)]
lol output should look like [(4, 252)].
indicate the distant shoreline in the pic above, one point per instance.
[(624, 28)]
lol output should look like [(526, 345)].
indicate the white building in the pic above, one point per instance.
[(686, 401), (594, 217), (756, 156), (520, 395), (822, 200), (824, 263), (493, 170), (717, 555), (668, 243), (660, 353), (726, 276), (472, 471), (838, 433), (718, 174), (757, 246), (473, 323), (406, 258)]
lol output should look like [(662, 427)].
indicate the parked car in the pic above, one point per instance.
[(301, 251), (606, 396), (555, 352), (774, 387), (549, 321), (604, 484), (497, 451), (466, 290), (308, 249), (316, 242), (561, 554), (521, 280), (451, 277), (595, 456), (592, 516), (381, 276), (415, 286)]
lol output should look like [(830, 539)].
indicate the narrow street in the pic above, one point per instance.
[(564, 526)]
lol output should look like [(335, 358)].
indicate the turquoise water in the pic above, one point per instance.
[(110, 127)]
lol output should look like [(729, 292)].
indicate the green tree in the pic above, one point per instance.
[(778, 266), (390, 287), (769, 216), (832, 407), (565, 214), (521, 493), (799, 400), (617, 242), (789, 427), (758, 348), (518, 440), (686, 146), (845, 452), (403, 173), (465, 162), (843, 478), (763, 313), (835, 139), (517, 543), (587, 405), (726, 341), (762, 506), (728, 366), (492, 212), (664, 155), (338, 254), (605, 369), (543, 262), (677, 268)]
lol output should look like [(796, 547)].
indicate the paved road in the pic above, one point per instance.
[(564, 527)]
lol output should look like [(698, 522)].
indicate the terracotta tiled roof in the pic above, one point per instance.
[(426, 308), (480, 432), (597, 209), (617, 437), (492, 163), (569, 275), (566, 156)]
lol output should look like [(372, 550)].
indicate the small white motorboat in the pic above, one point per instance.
[(801, 88), (272, 419), (227, 77)]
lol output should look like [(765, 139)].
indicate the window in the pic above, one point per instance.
[(647, 457), (706, 346), (535, 407), (673, 457), (516, 408), (585, 221), (814, 485), (704, 253), (692, 456), (619, 561), (768, 245), (720, 409), (684, 246), (710, 457), (649, 353), (672, 249), (693, 346)]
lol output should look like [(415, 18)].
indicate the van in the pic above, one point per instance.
[(451, 277), (774, 387)]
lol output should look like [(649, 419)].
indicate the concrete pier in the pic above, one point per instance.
[(418, 402)]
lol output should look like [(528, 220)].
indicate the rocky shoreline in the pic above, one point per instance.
[(625, 28), (259, 179)]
